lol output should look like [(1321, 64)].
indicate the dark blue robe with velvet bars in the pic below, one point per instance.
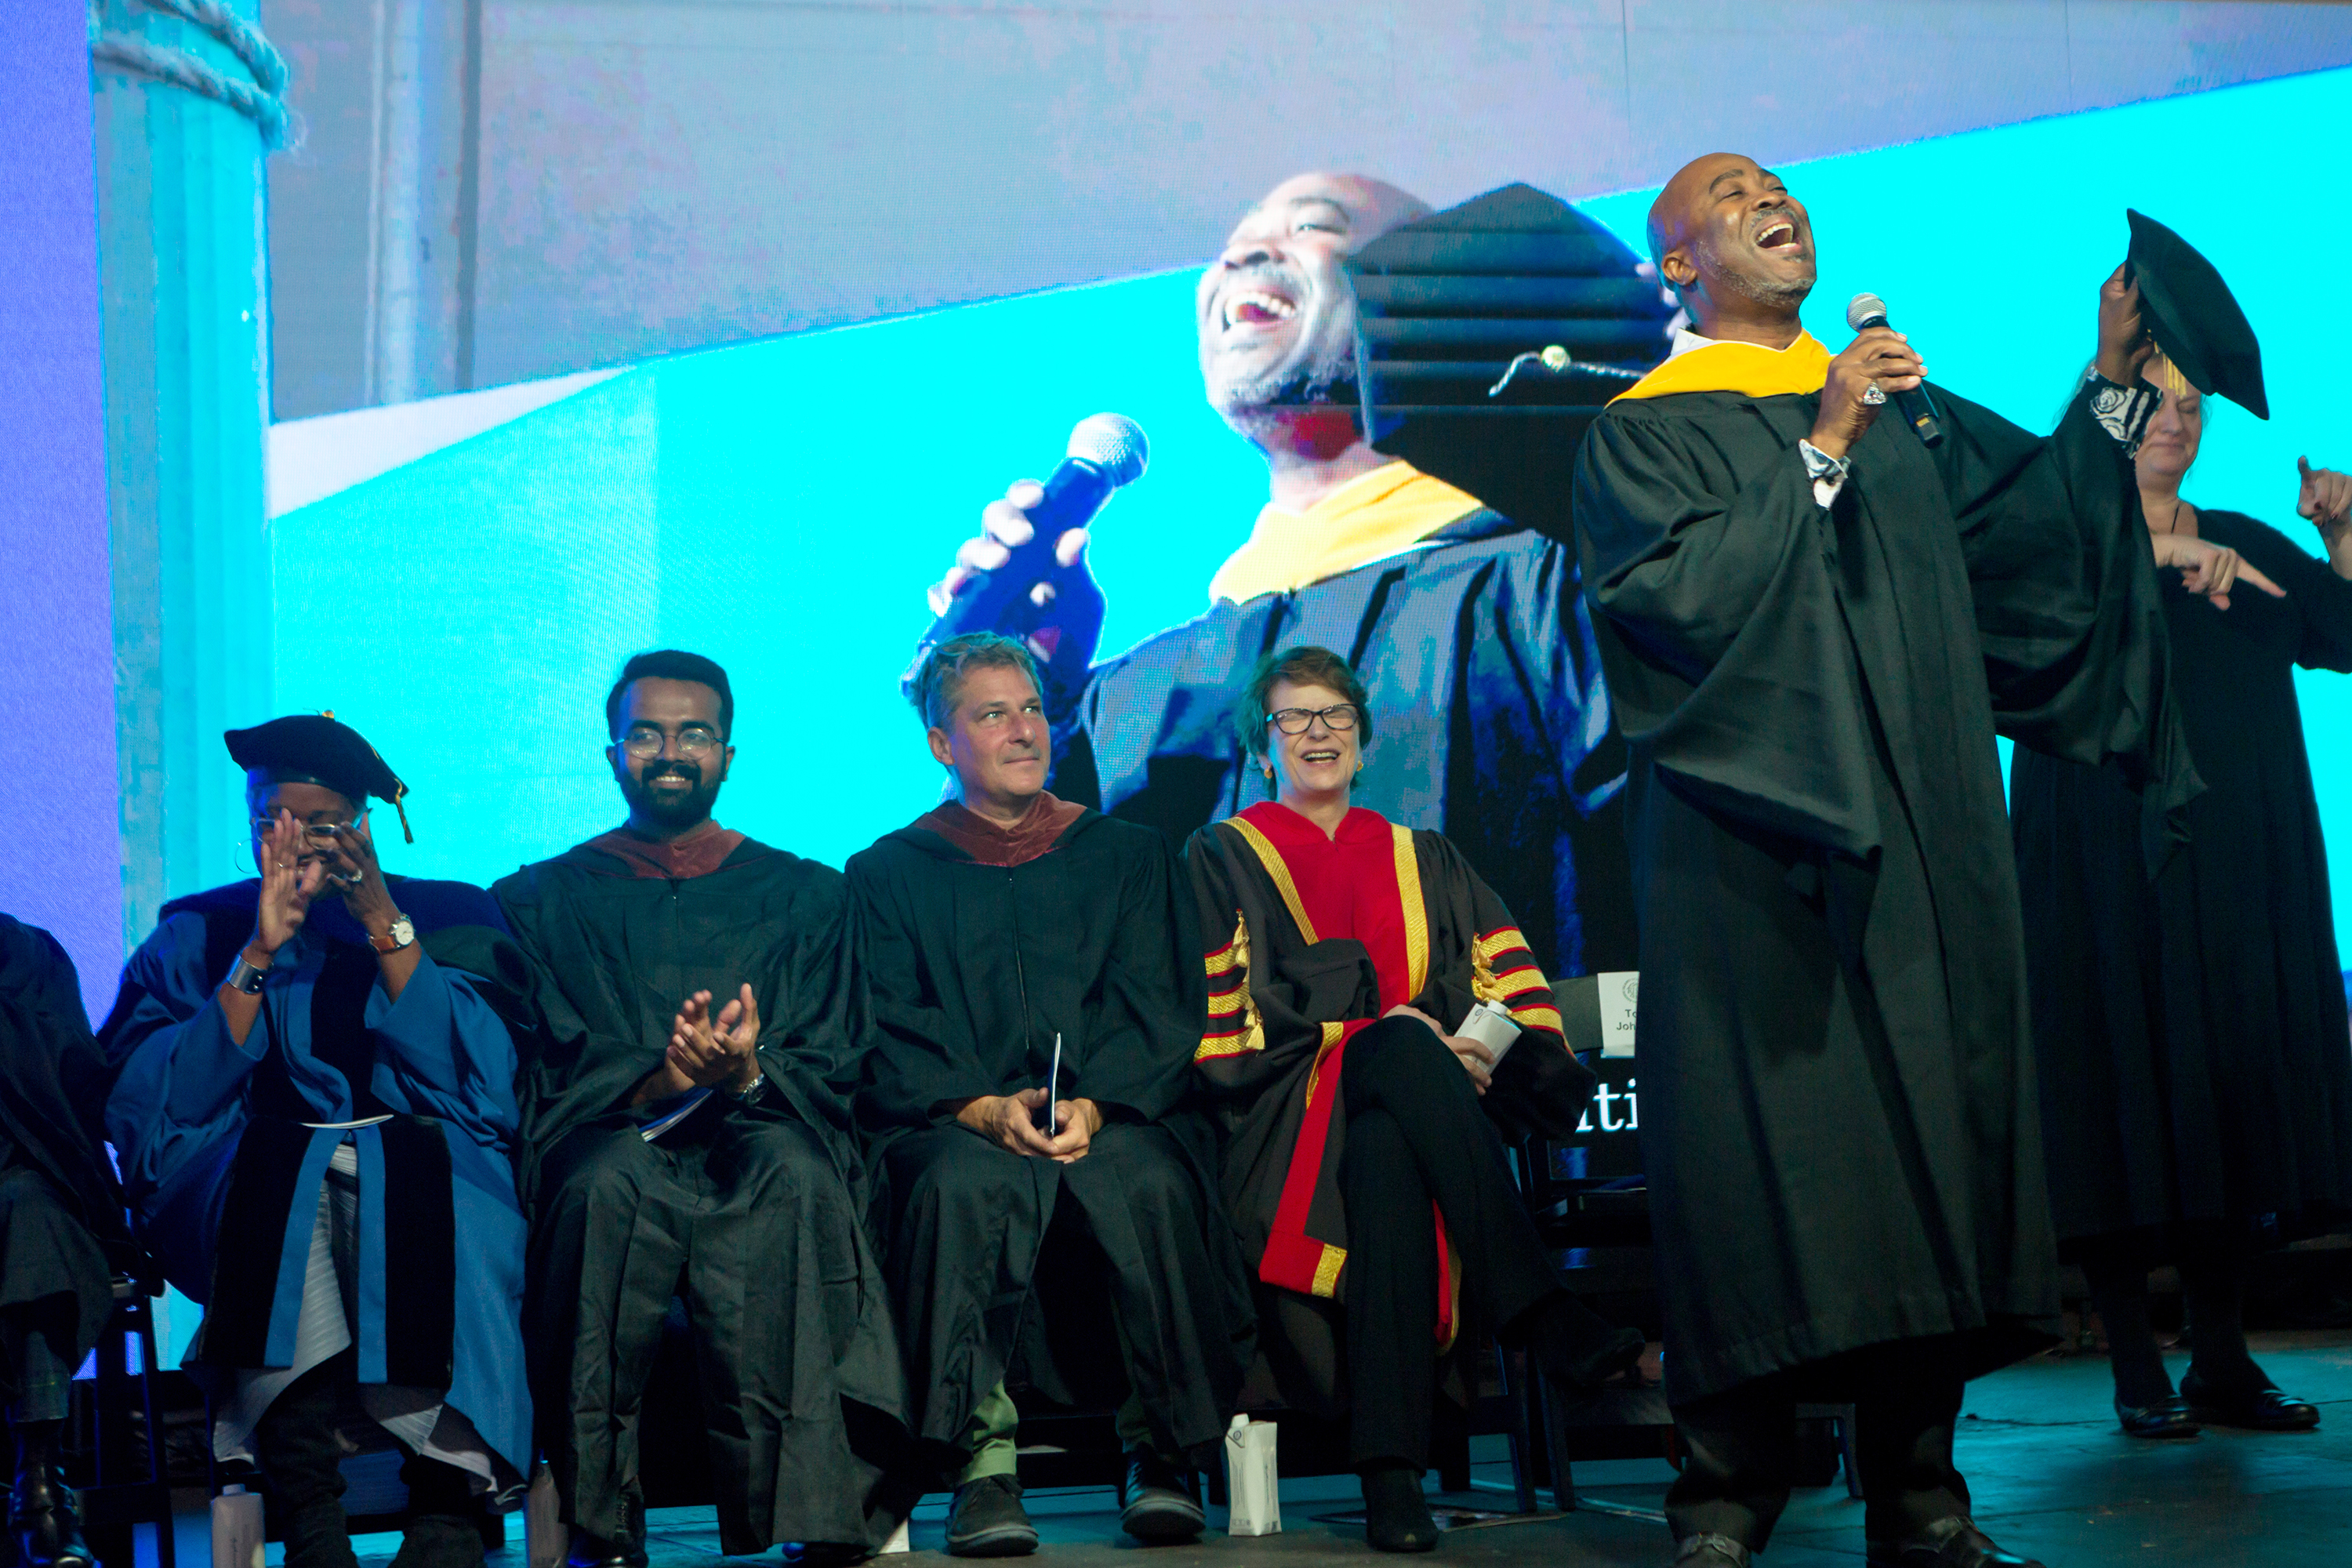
[(224, 1178)]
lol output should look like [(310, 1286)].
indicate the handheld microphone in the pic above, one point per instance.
[(1866, 311), (1106, 451)]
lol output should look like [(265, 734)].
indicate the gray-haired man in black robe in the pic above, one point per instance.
[(1813, 624), (1007, 933)]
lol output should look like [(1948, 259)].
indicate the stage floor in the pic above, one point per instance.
[(2052, 1476)]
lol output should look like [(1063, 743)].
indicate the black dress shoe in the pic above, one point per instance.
[(2165, 1418), (1708, 1549), (1156, 1501), (1396, 1514), (595, 1552), (45, 1518), (986, 1520), (2253, 1409), (1954, 1542)]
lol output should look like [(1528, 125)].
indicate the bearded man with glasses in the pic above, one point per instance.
[(686, 1131)]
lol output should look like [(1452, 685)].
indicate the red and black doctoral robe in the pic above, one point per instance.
[(1310, 939)]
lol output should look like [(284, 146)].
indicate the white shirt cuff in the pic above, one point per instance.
[(1829, 473)]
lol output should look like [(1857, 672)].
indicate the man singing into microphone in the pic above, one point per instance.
[(1814, 625), (1468, 630)]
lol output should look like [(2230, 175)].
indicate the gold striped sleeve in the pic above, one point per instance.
[(1502, 970), (1497, 942), (1545, 1017), (1235, 1027)]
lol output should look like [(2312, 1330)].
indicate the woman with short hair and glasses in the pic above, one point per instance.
[(1365, 1118)]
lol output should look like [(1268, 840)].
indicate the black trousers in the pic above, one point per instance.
[(2212, 1256), (1741, 1445), (300, 1450), (969, 1219), (743, 1216), (1417, 1138)]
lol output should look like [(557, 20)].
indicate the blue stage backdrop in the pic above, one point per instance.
[(780, 505)]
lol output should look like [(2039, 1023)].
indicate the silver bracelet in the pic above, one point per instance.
[(243, 976)]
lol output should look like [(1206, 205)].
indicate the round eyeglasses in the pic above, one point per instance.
[(1298, 720)]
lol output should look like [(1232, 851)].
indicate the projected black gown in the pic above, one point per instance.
[(2190, 1032), (751, 1214), (59, 1205), (1839, 1115), (1486, 695)]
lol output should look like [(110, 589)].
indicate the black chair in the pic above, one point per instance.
[(1591, 1204), (122, 1420)]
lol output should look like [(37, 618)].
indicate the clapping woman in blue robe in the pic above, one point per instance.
[(316, 1104)]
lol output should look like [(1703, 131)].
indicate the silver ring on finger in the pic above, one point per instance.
[(1871, 395)]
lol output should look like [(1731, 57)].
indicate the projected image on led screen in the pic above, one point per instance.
[(785, 506)]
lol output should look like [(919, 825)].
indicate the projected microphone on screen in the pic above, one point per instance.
[(1107, 452), (1864, 311)]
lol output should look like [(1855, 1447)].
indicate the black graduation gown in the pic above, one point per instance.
[(2191, 1028), (1491, 724), (1280, 1003), (795, 1332), (974, 969), (60, 1208), (1840, 1121)]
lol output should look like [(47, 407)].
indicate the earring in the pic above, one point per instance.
[(1360, 765)]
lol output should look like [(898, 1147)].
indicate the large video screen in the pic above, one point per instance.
[(464, 591)]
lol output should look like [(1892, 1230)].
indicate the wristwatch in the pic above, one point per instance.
[(402, 934), (751, 1091)]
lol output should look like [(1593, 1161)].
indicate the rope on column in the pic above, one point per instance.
[(260, 100)]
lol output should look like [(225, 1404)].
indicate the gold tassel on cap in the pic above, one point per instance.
[(399, 790)]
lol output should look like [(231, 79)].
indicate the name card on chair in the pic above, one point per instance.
[(1619, 992)]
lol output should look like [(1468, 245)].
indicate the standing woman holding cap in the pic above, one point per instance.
[(1347, 957), (2190, 1025)]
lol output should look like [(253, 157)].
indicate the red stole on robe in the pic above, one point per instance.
[(1039, 829), (697, 852)]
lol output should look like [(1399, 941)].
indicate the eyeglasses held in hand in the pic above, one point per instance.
[(321, 835)]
